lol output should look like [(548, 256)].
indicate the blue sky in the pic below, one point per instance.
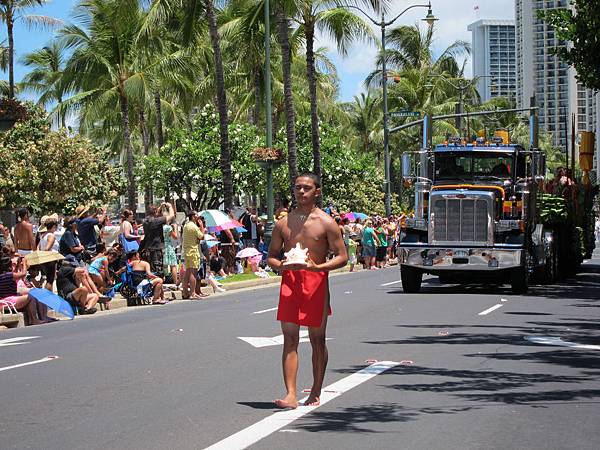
[(454, 17)]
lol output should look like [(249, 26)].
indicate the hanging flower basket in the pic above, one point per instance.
[(267, 154), (267, 157), (11, 112)]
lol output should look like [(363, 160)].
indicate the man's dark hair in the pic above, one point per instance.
[(22, 213), (313, 176), (191, 214)]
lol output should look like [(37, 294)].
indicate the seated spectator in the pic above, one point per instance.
[(99, 268), (69, 242), (142, 276), (9, 295), (73, 285)]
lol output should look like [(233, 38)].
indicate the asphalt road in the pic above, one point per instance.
[(178, 377)]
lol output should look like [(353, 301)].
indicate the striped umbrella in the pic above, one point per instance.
[(217, 221)]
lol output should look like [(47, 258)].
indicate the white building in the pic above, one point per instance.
[(551, 80), (494, 58)]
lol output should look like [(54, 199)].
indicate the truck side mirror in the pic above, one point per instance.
[(407, 166)]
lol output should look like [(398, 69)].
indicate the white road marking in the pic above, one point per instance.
[(391, 282), (489, 310), (259, 342), (265, 310), (278, 420), (16, 341), (30, 363), (552, 340)]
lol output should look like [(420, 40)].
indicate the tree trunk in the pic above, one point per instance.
[(131, 188), (257, 98), (11, 55), (286, 55), (222, 106), (312, 88), (148, 194), (160, 140)]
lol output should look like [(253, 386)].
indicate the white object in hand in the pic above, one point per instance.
[(296, 256)]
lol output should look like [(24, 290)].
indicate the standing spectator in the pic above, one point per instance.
[(48, 243), (369, 242), (86, 228), (192, 235), (249, 219), (7, 238), (109, 233), (229, 244), (69, 243), (129, 239), (381, 252), (72, 286), (170, 257), (24, 238), (153, 245)]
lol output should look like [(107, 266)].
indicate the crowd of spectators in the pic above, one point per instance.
[(156, 253)]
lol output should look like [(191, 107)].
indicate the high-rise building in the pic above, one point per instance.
[(551, 80), (494, 59)]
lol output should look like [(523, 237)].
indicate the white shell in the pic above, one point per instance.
[(296, 255)]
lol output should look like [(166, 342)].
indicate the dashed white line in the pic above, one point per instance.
[(264, 310), (392, 282), (278, 420), (30, 363), (489, 310)]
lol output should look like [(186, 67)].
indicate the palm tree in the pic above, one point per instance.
[(45, 78), (102, 69), (344, 27), (12, 11), (221, 105), (290, 113), (366, 118)]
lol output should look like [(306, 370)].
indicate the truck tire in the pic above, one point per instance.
[(445, 278), (411, 279), (519, 280)]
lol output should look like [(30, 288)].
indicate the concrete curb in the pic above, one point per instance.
[(119, 302)]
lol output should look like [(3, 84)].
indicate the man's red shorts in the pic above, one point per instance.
[(302, 297)]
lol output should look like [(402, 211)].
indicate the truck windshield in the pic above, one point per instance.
[(472, 166)]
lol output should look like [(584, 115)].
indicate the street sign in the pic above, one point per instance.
[(405, 114)]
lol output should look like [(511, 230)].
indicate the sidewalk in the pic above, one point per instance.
[(259, 283)]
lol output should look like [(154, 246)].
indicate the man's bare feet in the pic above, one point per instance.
[(289, 401), (313, 400)]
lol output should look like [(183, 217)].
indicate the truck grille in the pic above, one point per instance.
[(457, 220)]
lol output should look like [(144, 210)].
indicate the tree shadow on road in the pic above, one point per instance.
[(356, 418)]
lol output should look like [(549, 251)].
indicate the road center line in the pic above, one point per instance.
[(254, 433), (30, 363), (489, 310), (392, 282), (265, 310)]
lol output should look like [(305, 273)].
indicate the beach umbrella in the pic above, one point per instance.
[(218, 221), (248, 252), (42, 257), (359, 215), (53, 301)]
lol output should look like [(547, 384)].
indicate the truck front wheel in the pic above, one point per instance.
[(519, 280), (411, 279)]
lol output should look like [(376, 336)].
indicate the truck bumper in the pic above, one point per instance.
[(431, 259)]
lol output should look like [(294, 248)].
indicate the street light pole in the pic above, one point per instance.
[(269, 126), (430, 19), (386, 142)]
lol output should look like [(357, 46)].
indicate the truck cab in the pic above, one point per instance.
[(475, 215)]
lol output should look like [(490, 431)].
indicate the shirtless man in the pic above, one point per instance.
[(24, 238), (304, 295)]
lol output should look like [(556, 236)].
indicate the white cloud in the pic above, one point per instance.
[(454, 15)]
